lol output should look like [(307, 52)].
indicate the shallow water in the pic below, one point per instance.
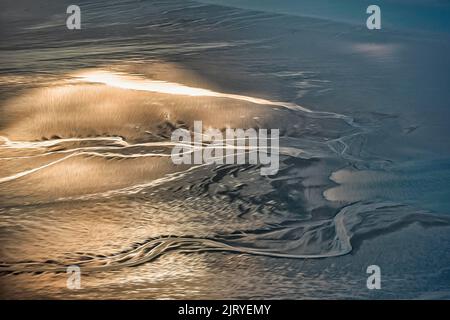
[(86, 176)]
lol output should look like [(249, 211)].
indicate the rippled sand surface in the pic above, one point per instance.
[(86, 176)]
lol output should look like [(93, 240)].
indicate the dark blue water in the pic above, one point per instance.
[(419, 15)]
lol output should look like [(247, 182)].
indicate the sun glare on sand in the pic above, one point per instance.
[(124, 81)]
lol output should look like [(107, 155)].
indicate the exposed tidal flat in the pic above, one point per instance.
[(86, 177)]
